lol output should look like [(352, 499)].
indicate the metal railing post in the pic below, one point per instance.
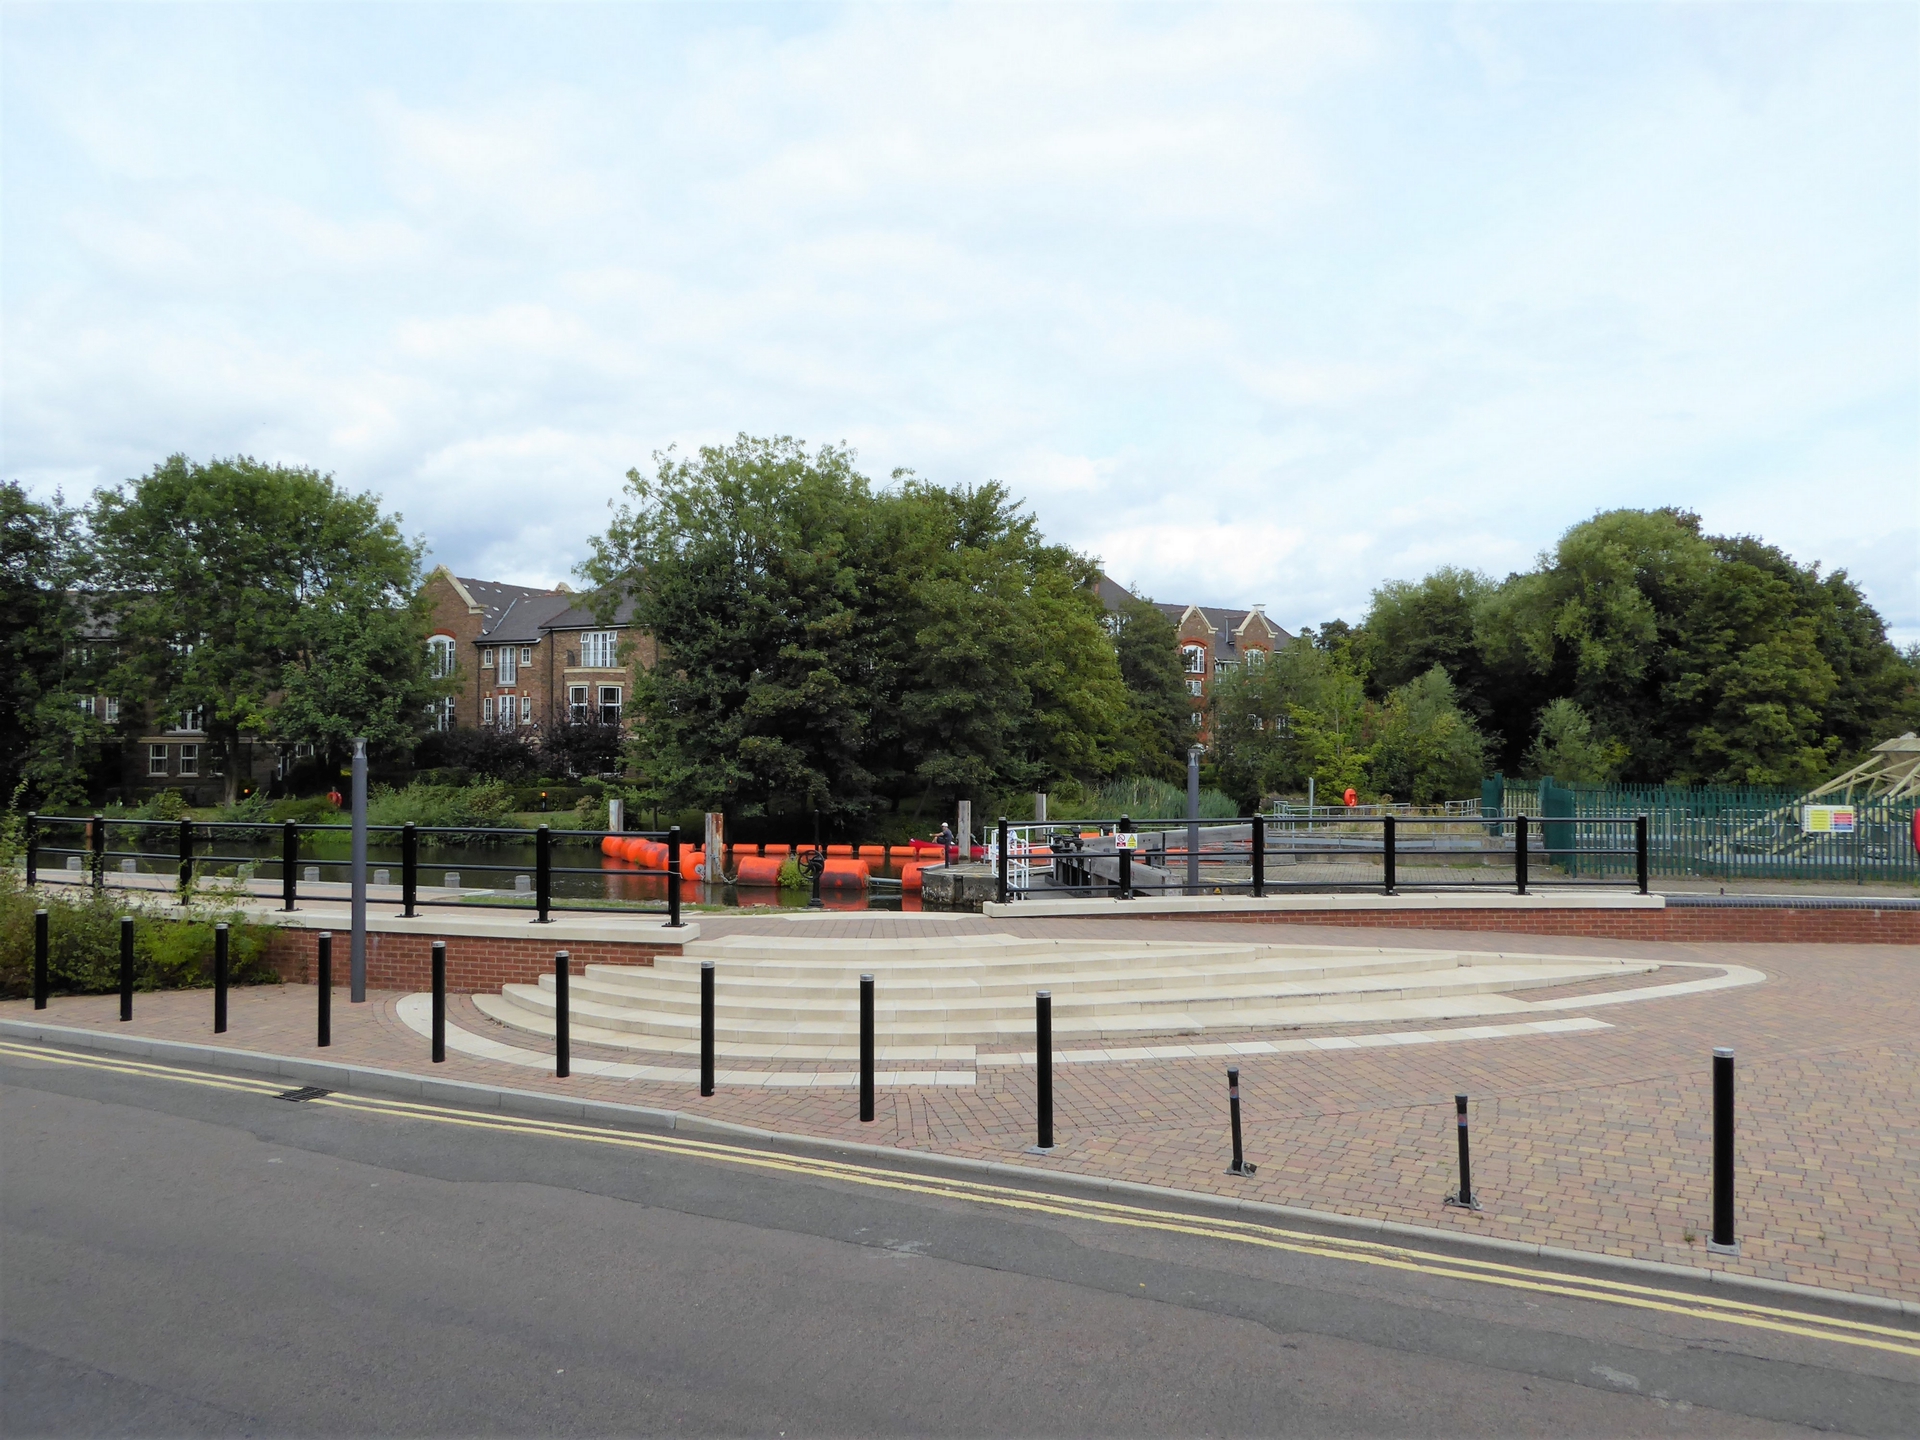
[(1124, 856), (186, 859), (409, 869), (1640, 851), (866, 1048), (1043, 1064), (543, 872), (1387, 854), (40, 948), (289, 865), (33, 848), (673, 877), (126, 968), (706, 1027), (325, 996), (1259, 856), (439, 1001), (562, 1035), (220, 979), (1000, 868), (1519, 854), (98, 844)]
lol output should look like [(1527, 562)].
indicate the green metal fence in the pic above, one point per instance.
[(1720, 831)]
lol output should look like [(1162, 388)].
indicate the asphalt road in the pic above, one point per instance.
[(187, 1254)]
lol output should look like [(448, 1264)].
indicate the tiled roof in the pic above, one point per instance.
[(497, 600), (1114, 596), (585, 617)]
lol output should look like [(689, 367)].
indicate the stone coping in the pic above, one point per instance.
[(1108, 906), (567, 926)]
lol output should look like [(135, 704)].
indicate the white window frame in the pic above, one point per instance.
[(113, 711), (192, 722), (157, 759), (610, 709), (577, 706), (526, 709), (1223, 665), (86, 706), (486, 657), (508, 668), (1256, 656), (1196, 686), (600, 649), (1199, 719), (189, 759), (440, 653), (505, 713), (526, 654), (1195, 658), (486, 710)]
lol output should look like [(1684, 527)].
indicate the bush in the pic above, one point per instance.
[(486, 804), (1138, 798), (494, 754)]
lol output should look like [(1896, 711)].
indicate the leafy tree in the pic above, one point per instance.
[(505, 755), (1565, 748), (234, 582), (581, 747), (1426, 747), (46, 740), (1147, 645)]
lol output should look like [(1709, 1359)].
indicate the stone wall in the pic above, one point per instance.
[(475, 965)]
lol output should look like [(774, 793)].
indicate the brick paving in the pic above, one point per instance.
[(1596, 1140)]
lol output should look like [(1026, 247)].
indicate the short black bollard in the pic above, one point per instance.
[(1000, 862), (186, 860), (543, 872), (706, 1027), (439, 1001), (1240, 1164), (1722, 1240), (673, 877), (866, 1047), (290, 865), (1043, 1063), (1640, 873), (1389, 856), (409, 869), (126, 967), (1258, 854), (562, 1040), (1465, 1200), (220, 979), (40, 943), (97, 840), (326, 989), (1519, 854)]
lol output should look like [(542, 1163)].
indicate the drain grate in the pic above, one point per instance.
[(305, 1092)]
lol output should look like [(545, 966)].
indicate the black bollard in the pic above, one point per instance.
[(40, 942), (1240, 1165), (562, 1046), (543, 872), (706, 1027), (220, 979), (866, 1047), (409, 869), (289, 865), (1722, 1239), (439, 1001), (1465, 1199), (1043, 1062), (326, 988), (126, 967)]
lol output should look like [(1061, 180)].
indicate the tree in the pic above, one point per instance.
[(1566, 749), (1427, 748), (236, 583), (1147, 646), (581, 747), (46, 739)]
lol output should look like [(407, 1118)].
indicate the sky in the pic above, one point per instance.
[(1258, 304)]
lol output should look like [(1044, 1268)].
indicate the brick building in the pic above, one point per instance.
[(1212, 641), (528, 658)]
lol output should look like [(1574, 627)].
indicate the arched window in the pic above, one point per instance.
[(440, 656)]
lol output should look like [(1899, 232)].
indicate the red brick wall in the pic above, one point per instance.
[(1707, 924), (474, 966)]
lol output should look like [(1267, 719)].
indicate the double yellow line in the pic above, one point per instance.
[(1732, 1311)]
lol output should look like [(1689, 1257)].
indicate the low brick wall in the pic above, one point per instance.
[(1703, 924), (474, 965)]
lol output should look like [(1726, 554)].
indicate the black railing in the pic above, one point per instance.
[(1384, 854), (195, 850)]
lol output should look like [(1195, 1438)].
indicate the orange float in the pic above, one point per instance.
[(757, 870), (609, 845), (845, 874), (910, 878), (688, 859), (871, 852)]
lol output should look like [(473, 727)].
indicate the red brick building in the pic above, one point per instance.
[(1212, 642), (528, 658)]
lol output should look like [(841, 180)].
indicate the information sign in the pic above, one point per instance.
[(1827, 820)]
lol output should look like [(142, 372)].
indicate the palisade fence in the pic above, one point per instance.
[(1719, 832)]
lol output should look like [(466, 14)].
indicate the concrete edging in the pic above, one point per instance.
[(1457, 901), (534, 1104)]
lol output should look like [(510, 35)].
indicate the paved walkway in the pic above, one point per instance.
[(1595, 1138)]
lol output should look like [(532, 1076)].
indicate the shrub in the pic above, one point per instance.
[(488, 803)]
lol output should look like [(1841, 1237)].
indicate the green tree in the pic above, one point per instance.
[(1426, 747), (235, 584), (46, 739), (1566, 749), (1147, 645)]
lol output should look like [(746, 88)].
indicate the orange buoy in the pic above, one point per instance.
[(845, 874), (689, 858), (910, 878), (610, 845), (871, 852), (846, 852), (758, 870)]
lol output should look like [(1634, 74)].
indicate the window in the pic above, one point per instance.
[(1258, 723), (86, 706), (1196, 687), (189, 759), (486, 658), (506, 712), (1197, 719), (113, 711), (1221, 667), (1196, 658), (597, 649), (192, 722), (440, 656), (526, 709), (1256, 657), (577, 704), (156, 760), (526, 654), (440, 714), (486, 710), (609, 704), (509, 670)]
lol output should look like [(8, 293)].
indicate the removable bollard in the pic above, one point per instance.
[(325, 1001), (40, 943), (1722, 1240), (706, 1027), (1240, 1164), (126, 967), (562, 1040), (439, 1001), (866, 1047), (220, 979), (1465, 1199), (290, 865), (1043, 1063)]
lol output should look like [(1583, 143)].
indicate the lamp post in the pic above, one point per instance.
[(1193, 818)]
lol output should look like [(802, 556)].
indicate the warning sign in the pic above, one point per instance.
[(1827, 820)]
